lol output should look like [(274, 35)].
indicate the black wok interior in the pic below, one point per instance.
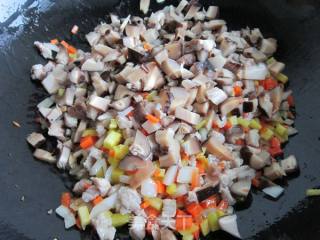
[(296, 25)]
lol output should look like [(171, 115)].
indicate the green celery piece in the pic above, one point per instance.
[(243, 122), (201, 124), (171, 189), (312, 192), (115, 175), (204, 226), (155, 202), (151, 95), (187, 237), (107, 214), (282, 78), (190, 230), (233, 120), (120, 151), (89, 132), (119, 220), (213, 221), (271, 60), (60, 92), (281, 130), (100, 173), (112, 139), (84, 216), (113, 124), (266, 134), (255, 124)]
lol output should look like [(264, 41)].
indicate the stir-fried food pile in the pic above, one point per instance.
[(167, 123)]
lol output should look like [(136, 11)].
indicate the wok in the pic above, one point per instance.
[(296, 25)]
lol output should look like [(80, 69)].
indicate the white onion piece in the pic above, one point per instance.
[(69, 221), (254, 72), (62, 211), (273, 191), (126, 111), (148, 188), (241, 187), (108, 173), (101, 163), (170, 175), (185, 175), (229, 225), (63, 159), (106, 204)]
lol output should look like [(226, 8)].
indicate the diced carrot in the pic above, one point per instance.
[(200, 167), (65, 199), (105, 150), (97, 200), (157, 173), (223, 205), (275, 142), (237, 91), (275, 147), (54, 41), (245, 129), (183, 223), (269, 83), (87, 142), (147, 46), (180, 213), (221, 166), (184, 156), (181, 200), (275, 151), (214, 125), (227, 126), (144, 94), (151, 212), (71, 49), (255, 182), (112, 153), (130, 172), (290, 101), (65, 44), (239, 142), (195, 179), (144, 204), (152, 119), (194, 209), (144, 131), (78, 223), (86, 186), (130, 114), (210, 202), (161, 188)]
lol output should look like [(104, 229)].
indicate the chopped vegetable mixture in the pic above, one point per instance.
[(166, 124)]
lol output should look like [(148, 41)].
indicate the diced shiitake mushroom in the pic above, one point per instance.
[(143, 173), (187, 116), (274, 171), (36, 139), (140, 146), (289, 164), (44, 155), (219, 150)]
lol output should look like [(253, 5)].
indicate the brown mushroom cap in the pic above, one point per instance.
[(219, 150)]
